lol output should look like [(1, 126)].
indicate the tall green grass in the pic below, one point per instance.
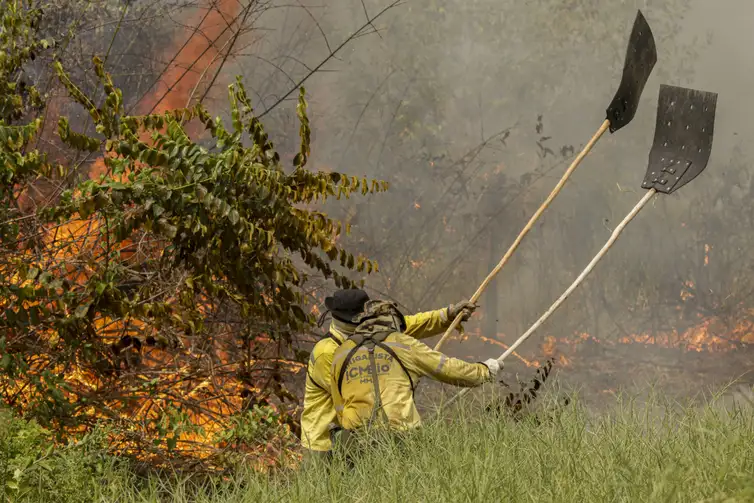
[(656, 453)]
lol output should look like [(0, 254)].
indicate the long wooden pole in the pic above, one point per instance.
[(529, 225), (613, 237)]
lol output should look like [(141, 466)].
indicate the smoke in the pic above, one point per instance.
[(472, 111), (421, 103)]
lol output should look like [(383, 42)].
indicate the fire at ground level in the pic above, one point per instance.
[(700, 357), (599, 371), (685, 367)]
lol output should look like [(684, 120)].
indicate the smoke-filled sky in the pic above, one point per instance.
[(442, 75), (495, 63), (444, 103)]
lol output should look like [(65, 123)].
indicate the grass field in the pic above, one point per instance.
[(658, 453)]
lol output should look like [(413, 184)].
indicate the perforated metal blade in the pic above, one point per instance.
[(641, 57), (683, 138)]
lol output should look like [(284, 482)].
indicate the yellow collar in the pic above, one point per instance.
[(341, 330)]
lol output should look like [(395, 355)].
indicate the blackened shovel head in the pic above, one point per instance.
[(683, 138), (641, 57)]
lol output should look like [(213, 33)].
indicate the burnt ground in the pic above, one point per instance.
[(600, 372)]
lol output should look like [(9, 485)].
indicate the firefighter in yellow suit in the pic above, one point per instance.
[(380, 346), (318, 415)]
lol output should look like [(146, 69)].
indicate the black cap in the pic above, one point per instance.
[(345, 304)]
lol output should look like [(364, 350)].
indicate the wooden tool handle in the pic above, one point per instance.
[(529, 225), (613, 237)]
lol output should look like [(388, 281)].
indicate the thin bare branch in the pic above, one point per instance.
[(329, 57)]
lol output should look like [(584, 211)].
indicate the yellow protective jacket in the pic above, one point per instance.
[(354, 400), (318, 410)]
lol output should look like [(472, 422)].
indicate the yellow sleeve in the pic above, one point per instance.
[(427, 324), (318, 411), (425, 361), (320, 366)]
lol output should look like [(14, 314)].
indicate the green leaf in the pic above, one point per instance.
[(116, 185), (224, 208), (298, 313), (86, 208)]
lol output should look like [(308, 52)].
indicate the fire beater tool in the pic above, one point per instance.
[(680, 151), (641, 57)]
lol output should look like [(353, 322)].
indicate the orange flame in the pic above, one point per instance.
[(82, 247), (526, 362), (200, 52)]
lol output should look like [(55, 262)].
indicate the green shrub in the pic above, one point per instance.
[(32, 470)]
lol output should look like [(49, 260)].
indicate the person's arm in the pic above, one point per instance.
[(431, 323), (319, 369), (427, 324), (318, 411), (425, 361)]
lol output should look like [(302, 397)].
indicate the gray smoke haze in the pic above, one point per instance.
[(444, 102), (414, 104)]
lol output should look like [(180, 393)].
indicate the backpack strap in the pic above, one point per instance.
[(343, 368), (330, 335), (377, 393), (309, 376), (376, 340)]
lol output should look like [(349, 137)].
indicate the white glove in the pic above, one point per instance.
[(494, 367)]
